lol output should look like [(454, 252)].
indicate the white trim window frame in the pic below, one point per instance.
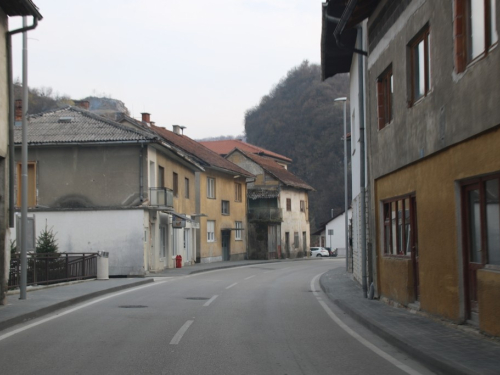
[(211, 187), (237, 234), (210, 230)]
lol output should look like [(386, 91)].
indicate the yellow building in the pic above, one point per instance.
[(220, 200)]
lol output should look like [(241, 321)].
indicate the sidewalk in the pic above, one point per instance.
[(441, 347), (45, 300)]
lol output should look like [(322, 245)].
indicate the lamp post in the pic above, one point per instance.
[(344, 99)]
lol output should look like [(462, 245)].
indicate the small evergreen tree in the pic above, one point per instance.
[(46, 242)]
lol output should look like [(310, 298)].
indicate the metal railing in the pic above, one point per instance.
[(161, 197), (272, 215), (46, 269)]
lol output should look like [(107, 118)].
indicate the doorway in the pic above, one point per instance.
[(481, 234), (226, 237)]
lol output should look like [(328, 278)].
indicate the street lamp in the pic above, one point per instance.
[(344, 99)]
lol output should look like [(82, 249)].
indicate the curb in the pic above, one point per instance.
[(231, 266), (63, 304), (433, 362)]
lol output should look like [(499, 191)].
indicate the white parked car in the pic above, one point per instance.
[(319, 252)]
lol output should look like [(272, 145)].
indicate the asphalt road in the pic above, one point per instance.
[(269, 319)]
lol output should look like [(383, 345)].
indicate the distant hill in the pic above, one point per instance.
[(44, 99), (299, 119)]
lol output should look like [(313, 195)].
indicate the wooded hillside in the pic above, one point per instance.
[(299, 119)]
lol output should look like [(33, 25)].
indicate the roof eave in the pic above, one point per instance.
[(21, 8)]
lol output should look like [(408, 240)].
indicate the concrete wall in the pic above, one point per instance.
[(85, 176), (458, 106), (119, 232), (224, 190), (294, 221), (4, 160)]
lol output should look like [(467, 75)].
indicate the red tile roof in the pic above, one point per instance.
[(278, 171), (225, 147), (196, 149)]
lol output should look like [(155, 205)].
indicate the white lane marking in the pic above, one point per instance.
[(58, 315), (178, 336), (210, 300), (230, 286), (249, 277), (361, 339)]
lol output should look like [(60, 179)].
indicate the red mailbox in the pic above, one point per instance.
[(178, 261)]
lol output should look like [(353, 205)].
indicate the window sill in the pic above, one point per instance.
[(397, 256), (492, 267)]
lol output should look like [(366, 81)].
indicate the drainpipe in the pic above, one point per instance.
[(11, 114), (141, 183)]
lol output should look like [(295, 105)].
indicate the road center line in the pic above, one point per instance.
[(210, 300), (249, 277), (230, 286), (358, 337), (178, 336)]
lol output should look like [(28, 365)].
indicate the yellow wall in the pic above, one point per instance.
[(489, 300), (181, 204), (224, 190), (434, 182)]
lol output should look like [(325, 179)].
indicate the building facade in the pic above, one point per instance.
[(433, 127)]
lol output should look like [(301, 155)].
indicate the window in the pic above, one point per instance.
[(161, 177), (32, 196), (163, 241), (237, 192), (420, 66), (210, 187), (225, 207), (481, 211), (237, 235), (175, 184), (385, 91), (186, 188), (475, 30), (302, 206), (210, 231), (399, 226), (296, 240), (288, 204)]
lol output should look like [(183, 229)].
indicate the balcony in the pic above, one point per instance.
[(161, 197), (267, 215)]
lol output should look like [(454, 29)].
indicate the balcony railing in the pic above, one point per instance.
[(272, 215), (161, 197)]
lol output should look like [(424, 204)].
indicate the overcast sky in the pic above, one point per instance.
[(196, 63)]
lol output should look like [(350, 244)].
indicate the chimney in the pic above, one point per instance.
[(146, 117), (152, 123), (178, 129), (18, 104), (84, 104)]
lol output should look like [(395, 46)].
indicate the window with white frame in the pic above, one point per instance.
[(211, 187), (225, 207), (237, 235), (210, 230)]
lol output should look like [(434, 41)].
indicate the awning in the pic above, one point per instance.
[(181, 216)]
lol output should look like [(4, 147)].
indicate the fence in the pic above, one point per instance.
[(53, 268)]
